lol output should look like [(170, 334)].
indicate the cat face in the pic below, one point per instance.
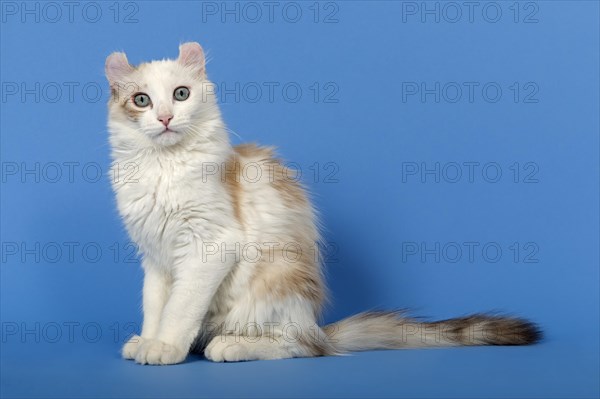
[(160, 103)]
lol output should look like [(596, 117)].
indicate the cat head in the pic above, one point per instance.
[(160, 103)]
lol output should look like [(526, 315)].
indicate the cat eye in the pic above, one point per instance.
[(141, 100), (181, 93)]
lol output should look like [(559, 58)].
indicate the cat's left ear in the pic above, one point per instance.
[(117, 68), (191, 55)]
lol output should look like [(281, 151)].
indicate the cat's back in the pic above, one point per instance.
[(277, 217), (267, 193)]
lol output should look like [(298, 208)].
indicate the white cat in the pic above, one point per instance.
[(230, 258)]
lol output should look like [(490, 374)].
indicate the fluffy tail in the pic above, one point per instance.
[(391, 330)]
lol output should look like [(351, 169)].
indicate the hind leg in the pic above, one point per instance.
[(235, 348), (263, 330)]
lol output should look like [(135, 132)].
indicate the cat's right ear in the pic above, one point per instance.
[(117, 68)]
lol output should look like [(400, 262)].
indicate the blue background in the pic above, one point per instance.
[(372, 211)]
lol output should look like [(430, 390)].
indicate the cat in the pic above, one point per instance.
[(230, 261)]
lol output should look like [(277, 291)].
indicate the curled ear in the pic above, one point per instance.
[(117, 68), (191, 55)]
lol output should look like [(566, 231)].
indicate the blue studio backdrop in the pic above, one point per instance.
[(451, 148)]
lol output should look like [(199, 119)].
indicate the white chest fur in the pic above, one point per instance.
[(166, 198)]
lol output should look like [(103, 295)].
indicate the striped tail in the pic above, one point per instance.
[(391, 330)]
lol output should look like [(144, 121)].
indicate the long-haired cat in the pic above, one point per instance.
[(231, 260)]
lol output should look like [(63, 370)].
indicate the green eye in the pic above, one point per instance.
[(181, 93), (141, 100)]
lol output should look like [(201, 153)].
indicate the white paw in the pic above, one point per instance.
[(131, 347), (228, 349), (152, 351)]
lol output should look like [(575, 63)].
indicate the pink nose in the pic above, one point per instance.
[(165, 119)]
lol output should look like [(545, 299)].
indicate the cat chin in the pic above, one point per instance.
[(167, 139)]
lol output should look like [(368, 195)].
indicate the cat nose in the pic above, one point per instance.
[(165, 119)]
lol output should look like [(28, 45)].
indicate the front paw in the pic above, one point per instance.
[(152, 351), (131, 347)]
